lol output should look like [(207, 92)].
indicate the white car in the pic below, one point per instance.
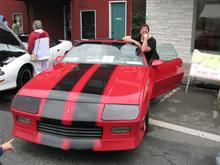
[(15, 66)]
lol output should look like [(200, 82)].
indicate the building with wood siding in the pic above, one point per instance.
[(73, 19)]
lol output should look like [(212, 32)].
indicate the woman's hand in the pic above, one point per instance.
[(129, 39), (146, 36)]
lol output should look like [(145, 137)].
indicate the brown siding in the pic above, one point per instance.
[(139, 5), (102, 16), (75, 35), (51, 16), (8, 7), (129, 17)]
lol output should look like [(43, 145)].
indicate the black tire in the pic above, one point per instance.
[(147, 120), (24, 75)]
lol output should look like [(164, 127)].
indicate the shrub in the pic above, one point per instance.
[(138, 18)]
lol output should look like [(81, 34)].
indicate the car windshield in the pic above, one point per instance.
[(105, 53)]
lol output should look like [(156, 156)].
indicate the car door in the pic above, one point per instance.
[(166, 75)]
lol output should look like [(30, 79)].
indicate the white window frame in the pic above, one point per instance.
[(110, 16), (81, 23), (21, 26), (64, 20)]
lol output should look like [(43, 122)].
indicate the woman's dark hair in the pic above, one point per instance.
[(144, 25)]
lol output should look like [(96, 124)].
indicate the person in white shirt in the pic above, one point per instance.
[(39, 44)]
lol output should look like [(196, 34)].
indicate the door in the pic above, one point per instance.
[(166, 76), (118, 23), (67, 22), (88, 24)]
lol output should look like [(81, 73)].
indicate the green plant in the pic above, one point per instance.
[(138, 18)]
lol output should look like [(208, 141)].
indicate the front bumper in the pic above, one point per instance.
[(107, 142), (7, 83)]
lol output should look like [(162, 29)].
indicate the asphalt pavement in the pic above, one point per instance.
[(198, 109), (195, 111)]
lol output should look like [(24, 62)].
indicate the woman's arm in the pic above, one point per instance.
[(129, 39), (145, 47)]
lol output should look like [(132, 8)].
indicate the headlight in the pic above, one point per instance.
[(120, 112), (26, 103)]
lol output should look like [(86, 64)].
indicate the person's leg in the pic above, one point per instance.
[(44, 64), (37, 67)]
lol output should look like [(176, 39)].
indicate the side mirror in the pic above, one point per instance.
[(156, 63), (58, 59)]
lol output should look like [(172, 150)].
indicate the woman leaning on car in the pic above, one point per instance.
[(146, 42)]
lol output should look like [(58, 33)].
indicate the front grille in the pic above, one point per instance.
[(72, 131)]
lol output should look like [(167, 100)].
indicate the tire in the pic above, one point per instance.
[(24, 75), (147, 124)]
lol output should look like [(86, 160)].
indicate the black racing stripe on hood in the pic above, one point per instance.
[(54, 108), (96, 84), (71, 78), (94, 88)]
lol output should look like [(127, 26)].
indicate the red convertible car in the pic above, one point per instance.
[(96, 97)]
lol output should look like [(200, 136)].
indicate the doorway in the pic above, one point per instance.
[(67, 22), (87, 24), (117, 20)]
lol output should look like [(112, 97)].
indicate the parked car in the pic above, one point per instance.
[(15, 66), (97, 97), (57, 47)]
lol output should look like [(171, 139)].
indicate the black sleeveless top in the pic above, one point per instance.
[(152, 44)]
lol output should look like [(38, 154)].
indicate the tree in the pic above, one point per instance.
[(138, 18)]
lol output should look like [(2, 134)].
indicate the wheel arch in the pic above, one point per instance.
[(27, 65)]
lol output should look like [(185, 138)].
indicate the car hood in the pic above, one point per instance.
[(88, 83), (8, 37), (10, 45)]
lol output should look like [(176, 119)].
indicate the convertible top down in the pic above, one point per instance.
[(97, 97)]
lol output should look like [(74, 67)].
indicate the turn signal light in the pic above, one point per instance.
[(23, 120), (121, 130)]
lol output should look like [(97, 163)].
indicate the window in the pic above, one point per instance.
[(88, 25), (19, 19), (207, 35), (10, 48)]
